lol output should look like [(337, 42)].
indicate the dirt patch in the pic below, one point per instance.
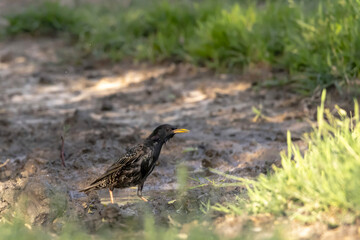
[(102, 109)]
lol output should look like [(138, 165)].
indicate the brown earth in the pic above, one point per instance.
[(102, 108)]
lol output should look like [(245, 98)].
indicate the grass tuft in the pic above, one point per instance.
[(321, 180)]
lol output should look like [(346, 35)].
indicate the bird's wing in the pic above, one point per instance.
[(130, 157)]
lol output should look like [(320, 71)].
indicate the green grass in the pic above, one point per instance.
[(316, 42), (322, 180), (17, 228), (46, 19), (20, 231)]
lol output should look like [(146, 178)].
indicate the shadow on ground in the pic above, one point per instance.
[(102, 109)]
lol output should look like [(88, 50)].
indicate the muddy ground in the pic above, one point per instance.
[(103, 108)]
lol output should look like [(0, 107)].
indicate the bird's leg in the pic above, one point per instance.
[(139, 192), (111, 196)]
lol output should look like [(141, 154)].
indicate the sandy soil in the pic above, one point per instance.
[(101, 109)]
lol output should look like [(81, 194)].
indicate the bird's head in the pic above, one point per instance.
[(164, 132)]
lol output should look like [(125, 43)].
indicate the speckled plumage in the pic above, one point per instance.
[(136, 164)]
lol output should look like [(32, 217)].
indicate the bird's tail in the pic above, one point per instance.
[(89, 189)]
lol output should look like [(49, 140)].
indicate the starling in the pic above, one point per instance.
[(136, 164)]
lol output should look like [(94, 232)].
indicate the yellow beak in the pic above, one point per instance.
[(181, 130)]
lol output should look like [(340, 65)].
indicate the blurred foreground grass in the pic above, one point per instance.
[(317, 43), (17, 229)]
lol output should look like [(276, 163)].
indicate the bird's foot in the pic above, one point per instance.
[(111, 196), (144, 199)]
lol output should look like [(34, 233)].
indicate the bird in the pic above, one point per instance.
[(133, 168)]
